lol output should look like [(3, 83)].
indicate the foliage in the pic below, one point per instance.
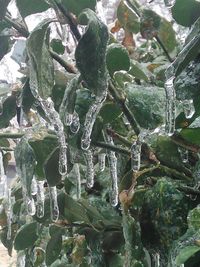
[(109, 94)]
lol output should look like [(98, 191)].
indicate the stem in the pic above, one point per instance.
[(20, 28), (68, 67), (189, 190), (121, 102), (119, 137), (70, 20), (111, 147), (20, 135)]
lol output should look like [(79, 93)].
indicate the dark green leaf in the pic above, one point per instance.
[(191, 135), (27, 7), (150, 24), (41, 62), (4, 4), (26, 236), (117, 58), (54, 246), (8, 243), (109, 112), (76, 6), (27, 97), (138, 71), (9, 111), (91, 52), (4, 46), (57, 46), (185, 12), (128, 18)]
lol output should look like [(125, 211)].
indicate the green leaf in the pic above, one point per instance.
[(26, 236), (57, 46), (4, 46), (41, 62), (9, 111), (76, 6), (25, 163), (128, 18), (51, 168), (27, 7), (54, 246), (150, 24), (186, 253), (42, 148), (117, 58), (90, 53), (109, 112), (147, 104), (194, 31), (138, 71), (27, 97), (8, 243), (194, 218), (4, 4), (190, 9), (191, 135)]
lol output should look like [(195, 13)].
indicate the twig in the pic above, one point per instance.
[(119, 137), (68, 67), (175, 173), (121, 102), (178, 139), (111, 147), (19, 27)]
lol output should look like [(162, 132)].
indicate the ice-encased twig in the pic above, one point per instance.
[(53, 203), (102, 161), (90, 168), (40, 199), (78, 180)]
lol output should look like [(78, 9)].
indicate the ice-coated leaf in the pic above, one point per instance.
[(26, 236), (77, 6), (150, 24), (57, 46), (54, 246), (194, 218), (185, 253), (90, 53), (25, 163), (117, 58), (42, 147), (41, 62), (8, 112), (147, 104), (27, 7), (190, 9), (109, 112), (128, 18), (191, 135)]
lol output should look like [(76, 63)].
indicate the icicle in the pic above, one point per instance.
[(53, 203), (170, 101), (3, 185), (78, 180), (40, 199), (169, 3), (53, 116), (113, 173), (156, 257), (75, 125), (31, 206), (90, 168), (2, 172), (21, 259), (9, 214), (184, 154), (135, 155), (68, 119), (188, 108), (90, 120), (102, 161), (1, 105), (33, 186)]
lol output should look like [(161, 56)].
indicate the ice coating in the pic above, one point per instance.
[(78, 180), (188, 108), (90, 168), (53, 203), (40, 199), (75, 124), (102, 161)]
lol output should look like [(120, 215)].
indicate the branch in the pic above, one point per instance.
[(111, 147), (121, 102), (68, 67)]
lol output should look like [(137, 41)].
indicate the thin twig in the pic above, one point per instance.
[(111, 147), (19, 27)]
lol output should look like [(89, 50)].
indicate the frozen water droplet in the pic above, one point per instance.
[(33, 186), (68, 119), (31, 206), (78, 180), (102, 161), (53, 203), (90, 168), (75, 125), (188, 108), (136, 155), (184, 154), (40, 199), (90, 120), (112, 159), (170, 102)]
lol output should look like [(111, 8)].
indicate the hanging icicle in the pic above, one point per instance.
[(188, 108), (9, 214), (40, 199), (21, 259), (53, 203), (90, 168), (112, 159), (102, 161), (170, 101), (90, 120), (184, 154), (78, 180), (33, 186), (136, 155), (75, 124)]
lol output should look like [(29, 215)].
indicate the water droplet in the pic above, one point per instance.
[(90, 168), (53, 203), (102, 161), (188, 108), (31, 206)]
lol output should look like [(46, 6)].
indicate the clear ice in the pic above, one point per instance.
[(188, 108), (102, 161), (90, 120), (90, 168), (53, 203), (75, 124), (40, 199), (78, 180)]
